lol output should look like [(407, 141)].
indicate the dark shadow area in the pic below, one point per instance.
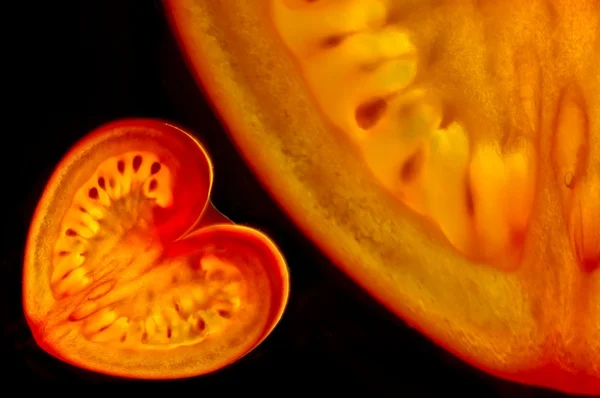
[(98, 61)]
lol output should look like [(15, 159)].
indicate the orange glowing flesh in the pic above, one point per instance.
[(482, 227), (130, 271)]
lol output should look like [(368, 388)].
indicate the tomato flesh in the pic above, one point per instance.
[(125, 275), (535, 318)]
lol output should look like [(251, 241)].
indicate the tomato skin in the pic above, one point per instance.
[(522, 325), (191, 223)]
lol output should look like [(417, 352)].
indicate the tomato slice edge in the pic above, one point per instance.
[(77, 351)]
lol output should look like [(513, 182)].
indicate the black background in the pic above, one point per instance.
[(91, 62)]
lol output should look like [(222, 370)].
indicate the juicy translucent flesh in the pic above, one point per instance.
[(114, 283), (452, 107)]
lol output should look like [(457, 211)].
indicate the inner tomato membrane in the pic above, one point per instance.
[(110, 259), (110, 222), (448, 118), (179, 302)]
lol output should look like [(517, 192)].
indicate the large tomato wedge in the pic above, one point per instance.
[(130, 271), (445, 155)]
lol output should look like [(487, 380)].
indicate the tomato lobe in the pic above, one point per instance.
[(104, 285)]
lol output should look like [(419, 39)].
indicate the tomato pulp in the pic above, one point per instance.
[(445, 155), (130, 271)]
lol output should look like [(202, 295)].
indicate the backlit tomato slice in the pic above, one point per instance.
[(127, 273), (445, 155)]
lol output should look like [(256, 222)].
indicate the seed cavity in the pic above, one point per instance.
[(155, 168), (91, 211), (93, 193), (412, 166), (137, 162), (149, 318), (200, 324), (474, 171), (368, 114), (332, 41)]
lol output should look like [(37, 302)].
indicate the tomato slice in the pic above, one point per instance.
[(535, 320), (130, 271)]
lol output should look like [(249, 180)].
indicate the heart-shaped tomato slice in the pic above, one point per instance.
[(127, 273), (442, 153)]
